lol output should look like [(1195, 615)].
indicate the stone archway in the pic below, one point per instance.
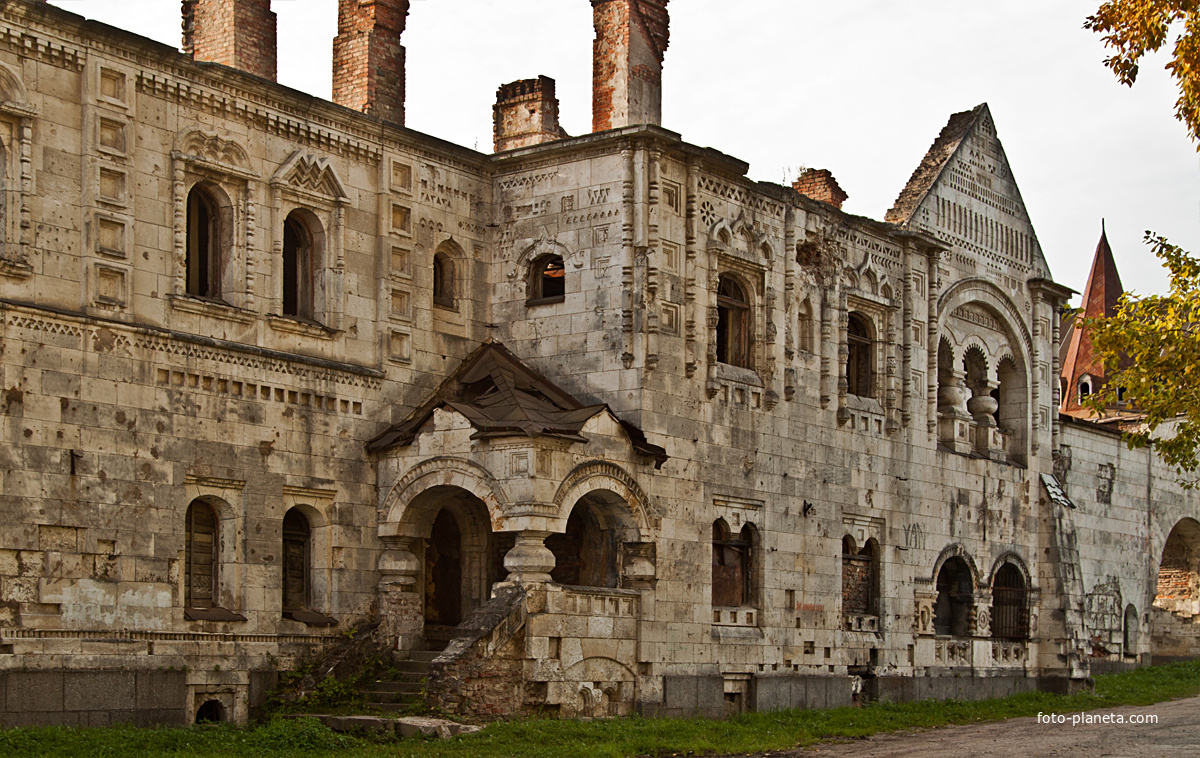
[(594, 548), (1174, 617)]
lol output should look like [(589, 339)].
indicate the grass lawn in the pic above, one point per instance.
[(614, 738)]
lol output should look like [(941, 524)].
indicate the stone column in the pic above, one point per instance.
[(954, 422), (400, 603), (529, 561)]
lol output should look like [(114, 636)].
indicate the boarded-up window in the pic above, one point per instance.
[(1010, 604), (200, 543), (731, 566), (295, 560), (858, 578)]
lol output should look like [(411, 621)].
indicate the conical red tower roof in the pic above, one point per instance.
[(1100, 298)]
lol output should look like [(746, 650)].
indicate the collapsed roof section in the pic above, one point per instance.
[(502, 397)]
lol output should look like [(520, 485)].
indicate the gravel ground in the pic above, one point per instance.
[(1175, 735)]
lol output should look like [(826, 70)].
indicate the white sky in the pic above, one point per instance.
[(861, 87)]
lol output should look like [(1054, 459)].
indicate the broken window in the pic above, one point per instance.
[(296, 558), (200, 556), (733, 323), (443, 280), (1010, 604), (952, 611), (547, 279), (298, 255), (859, 578), (585, 555), (203, 255), (859, 356), (732, 568)]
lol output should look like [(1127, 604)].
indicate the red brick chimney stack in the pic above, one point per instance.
[(236, 33), (368, 60), (526, 113), (819, 184), (627, 58)]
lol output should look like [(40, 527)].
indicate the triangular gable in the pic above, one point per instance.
[(502, 397), (308, 173), (964, 193)]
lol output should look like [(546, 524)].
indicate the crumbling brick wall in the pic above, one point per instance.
[(236, 33)]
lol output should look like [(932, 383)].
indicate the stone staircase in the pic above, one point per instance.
[(396, 695)]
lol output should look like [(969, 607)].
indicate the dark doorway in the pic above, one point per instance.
[(952, 614), (443, 572), (585, 555), (295, 560), (211, 712)]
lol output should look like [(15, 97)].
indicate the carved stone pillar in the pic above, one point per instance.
[(529, 561), (981, 614), (923, 603), (954, 423), (401, 606), (638, 568)]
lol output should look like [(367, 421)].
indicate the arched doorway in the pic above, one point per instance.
[(443, 572), (1177, 595), (1010, 604), (459, 556), (589, 552), (955, 591)]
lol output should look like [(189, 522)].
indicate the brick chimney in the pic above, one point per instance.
[(236, 33), (627, 57), (368, 60), (819, 184), (526, 113)]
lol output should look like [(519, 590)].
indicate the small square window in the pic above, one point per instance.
[(401, 219), (112, 85), (112, 135), (401, 176)]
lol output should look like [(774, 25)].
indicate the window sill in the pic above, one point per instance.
[(300, 326), (211, 614), (742, 616), (213, 308), (445, 305), (310, 618), (545, 300), (731, 373)]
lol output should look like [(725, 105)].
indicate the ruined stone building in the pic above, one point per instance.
[(623, 429)]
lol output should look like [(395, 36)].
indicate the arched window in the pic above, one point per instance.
[(860, 578), (443, 280), (585, 555), (1085, 389), (1010, 604), (203, 253), (955, 592), (804, 328), (859, 356), (547, 279), (297, 267), (1130, 637), (296, 560), (733, 323), (200, 556), (732, 567)]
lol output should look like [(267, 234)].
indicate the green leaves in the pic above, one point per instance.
[(1136, 27)]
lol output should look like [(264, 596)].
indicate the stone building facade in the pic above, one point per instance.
[(623, 429)]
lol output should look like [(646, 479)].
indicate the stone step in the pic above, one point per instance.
[(410, 688), (405, 726), (423, 656)]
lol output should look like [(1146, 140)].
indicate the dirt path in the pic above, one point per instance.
[(1176, 735)]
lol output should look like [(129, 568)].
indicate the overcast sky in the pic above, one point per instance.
[(861, 87)]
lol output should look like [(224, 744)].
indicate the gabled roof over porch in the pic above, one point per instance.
[(502, 397)]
